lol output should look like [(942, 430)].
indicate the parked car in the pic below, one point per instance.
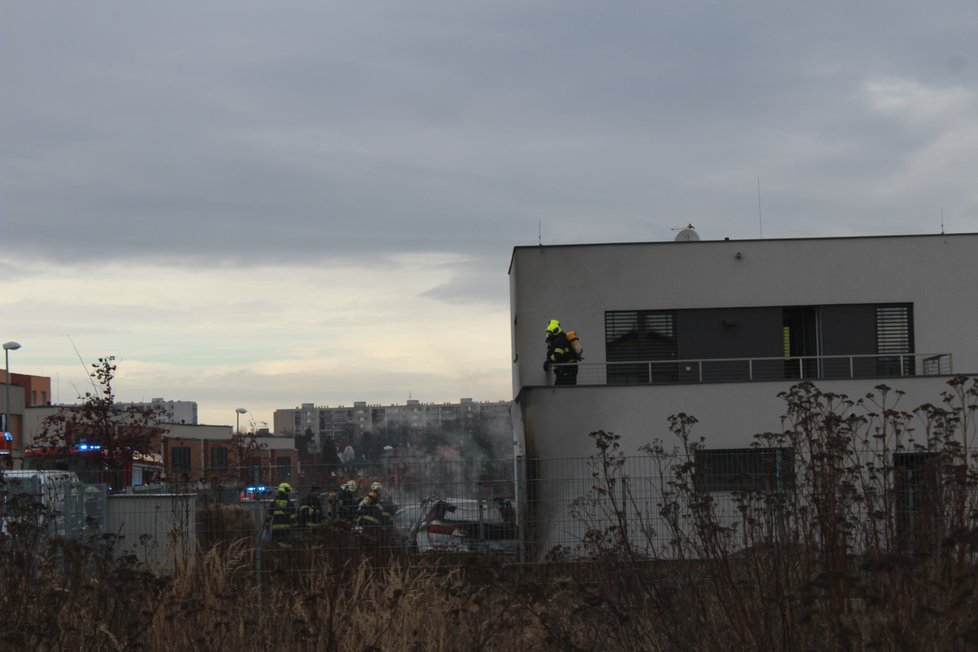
[(467, 525), (407, 520)]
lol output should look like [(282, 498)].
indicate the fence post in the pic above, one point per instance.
[(519, 469), (260, 532), (624, 512)]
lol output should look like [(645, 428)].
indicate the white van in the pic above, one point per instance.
[(57, 496)]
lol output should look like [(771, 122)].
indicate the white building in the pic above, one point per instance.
[(717, 329), (184, 412)]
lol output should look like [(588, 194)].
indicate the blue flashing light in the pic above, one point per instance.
[(8, 437)]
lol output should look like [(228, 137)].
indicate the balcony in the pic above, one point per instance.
[(744, 370)]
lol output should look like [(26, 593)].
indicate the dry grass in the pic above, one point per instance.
[(833, 579)]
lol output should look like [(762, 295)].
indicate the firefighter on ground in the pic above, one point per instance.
[(372, 512), (311, 510), (559, 352), (282, 514), (343, 503)]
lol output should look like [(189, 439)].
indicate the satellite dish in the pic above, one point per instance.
[(687, 234)]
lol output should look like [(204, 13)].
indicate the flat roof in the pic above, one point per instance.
[(692, 243)]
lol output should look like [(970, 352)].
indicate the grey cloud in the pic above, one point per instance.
[(241, 132)]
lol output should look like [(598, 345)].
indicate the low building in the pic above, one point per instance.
[(717, 329)]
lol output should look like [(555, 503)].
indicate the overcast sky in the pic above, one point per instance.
[(259, 204)]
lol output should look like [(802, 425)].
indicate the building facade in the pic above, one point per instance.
[(410, 422), (212, 454), (25, 391), (718, 329), (191, 452)]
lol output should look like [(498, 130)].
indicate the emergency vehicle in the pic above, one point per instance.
[(90, 463)]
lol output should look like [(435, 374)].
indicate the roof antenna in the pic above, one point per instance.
[(942, 220), (539, 233)]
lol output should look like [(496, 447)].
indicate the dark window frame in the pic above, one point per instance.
[(895, 335), (641, 335), (181, 459), (219, 458)]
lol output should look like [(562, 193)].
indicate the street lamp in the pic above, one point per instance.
[(7, 348), (238, 444)]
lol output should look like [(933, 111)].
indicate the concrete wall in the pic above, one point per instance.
[(556, 422), (159, 529)]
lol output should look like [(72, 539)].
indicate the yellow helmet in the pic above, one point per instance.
[(553, 326), (352, 486), (376, 486), (286, 487)]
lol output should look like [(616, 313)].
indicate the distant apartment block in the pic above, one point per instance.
[(413, 420)]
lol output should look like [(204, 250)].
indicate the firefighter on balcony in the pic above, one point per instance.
[(560, 353), (282, 514), (311, 510)]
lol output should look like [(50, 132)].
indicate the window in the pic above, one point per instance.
[(744, 469), (640, 335), (180, 459), (918, 498), (283, 468), (219, 459), (894, 334)]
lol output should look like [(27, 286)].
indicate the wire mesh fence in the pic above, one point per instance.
[(520, 510)]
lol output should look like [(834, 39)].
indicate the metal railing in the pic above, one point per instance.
[(742, 370)]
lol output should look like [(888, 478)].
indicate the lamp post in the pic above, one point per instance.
[(237, 443), (7, 348)]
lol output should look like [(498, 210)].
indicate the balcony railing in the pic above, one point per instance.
[(742, 370)]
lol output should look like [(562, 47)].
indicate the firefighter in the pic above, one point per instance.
[(372, 512), (311, 510), (346, 501), (282, 514), (559, 352)]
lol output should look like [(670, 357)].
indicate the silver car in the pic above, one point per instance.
[(467, 525)]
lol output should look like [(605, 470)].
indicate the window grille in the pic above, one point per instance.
[(744, 469), (895, 335), (632, 335)]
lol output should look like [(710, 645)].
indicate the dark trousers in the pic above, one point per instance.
[(565, 375)]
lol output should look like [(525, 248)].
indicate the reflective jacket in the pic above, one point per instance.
[(282, 514), (559, 350), (310, 512), (372, 512)]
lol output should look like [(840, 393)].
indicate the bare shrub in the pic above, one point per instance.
[(870, 542)]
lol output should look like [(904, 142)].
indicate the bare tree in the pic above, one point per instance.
[(121, 431)]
